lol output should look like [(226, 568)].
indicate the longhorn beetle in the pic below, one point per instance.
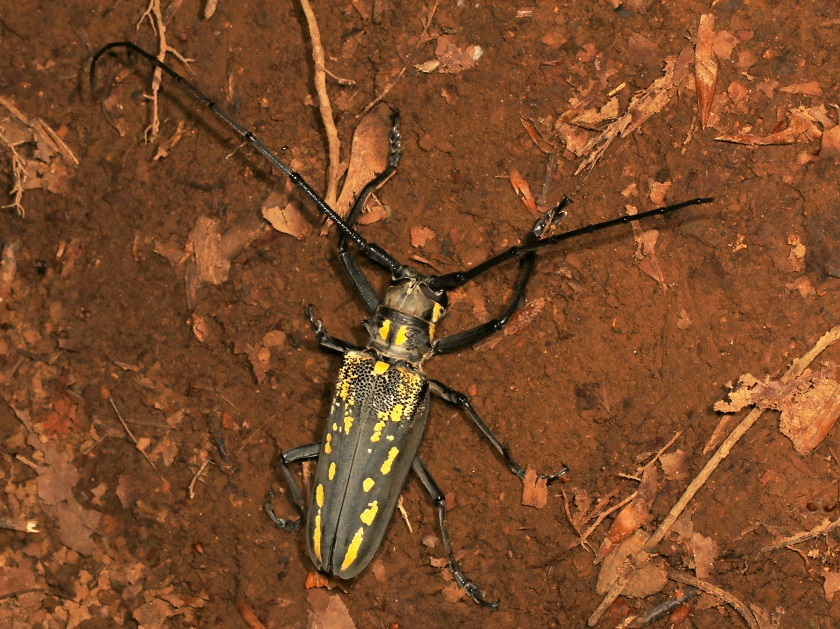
[(382, 395)]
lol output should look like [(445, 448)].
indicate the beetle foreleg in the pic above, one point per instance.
[(302, 453), (461, 400), (440, 502)]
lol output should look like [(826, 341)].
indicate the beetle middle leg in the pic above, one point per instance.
[(462, 401), (302, 453), (440, 501)]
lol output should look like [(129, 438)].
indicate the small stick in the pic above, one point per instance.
[(820, 529), (726, 597), (24, 526), (128, 430), (196, 477), (333, 144)]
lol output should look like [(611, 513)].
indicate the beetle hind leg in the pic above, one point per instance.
[(302, 453), (440, 502), (460, 400)]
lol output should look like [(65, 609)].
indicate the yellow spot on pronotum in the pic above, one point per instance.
[(367, 484), (319, 496), (386, 466), (369, 513), (432, 332), (348, 421), (316, 536), (353, 549), (380, 367), (396, 412), (327, 447), (332, 470), (377, 431), (437, 311), (402, 335), (384, 329)]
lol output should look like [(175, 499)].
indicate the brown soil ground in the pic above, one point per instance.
[(610, 368)]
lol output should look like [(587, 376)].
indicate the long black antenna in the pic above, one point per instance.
[(374, 252)]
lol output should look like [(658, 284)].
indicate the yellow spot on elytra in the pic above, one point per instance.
[(380, 367), (384, 329), (332, 470), (369, 513), (386, 466), (396, 412), (319, 496), (402, 335), (389, 437), (367, 484), (316, 536), (344, 391), (348, 421), (377, 431), (353, 549), (327, 447), (335, 426)]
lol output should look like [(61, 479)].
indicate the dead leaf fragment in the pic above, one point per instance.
[(534, 490), (705, 66), (801, 126), (831, 584), (811, 88), (632, 516), (368, 157), (705, 551), (260, 357), (520, 320), (642, 578), (285, 217), (420, 236), (205, 239), (809, 404), (328, 611), (523, 190), (830, 147), (453, 59), (674, 465)]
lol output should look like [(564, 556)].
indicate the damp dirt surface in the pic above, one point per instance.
[(104, 330)]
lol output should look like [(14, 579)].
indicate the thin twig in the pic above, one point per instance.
[(23, 526), (131, 435), (320, 79), (726, 597), (197, 475), (820, 529)]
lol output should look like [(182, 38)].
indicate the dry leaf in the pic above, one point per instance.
[(260, 357), (705, 551), (705, 66), (801, 125), (645, 579), (724, 43), (205, 240), (658, 191), (830, 147), (534, 490), (674, 465), (633, 515), (523, 190), (368, 157), (831, 585), (809, 404), (285, 217), (811, 88), (453, 59), (420, 236), (328, 611)]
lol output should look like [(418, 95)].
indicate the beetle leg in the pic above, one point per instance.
[(472, 336), (324, 339), (301, 453), (461, 400), (440, 501)]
